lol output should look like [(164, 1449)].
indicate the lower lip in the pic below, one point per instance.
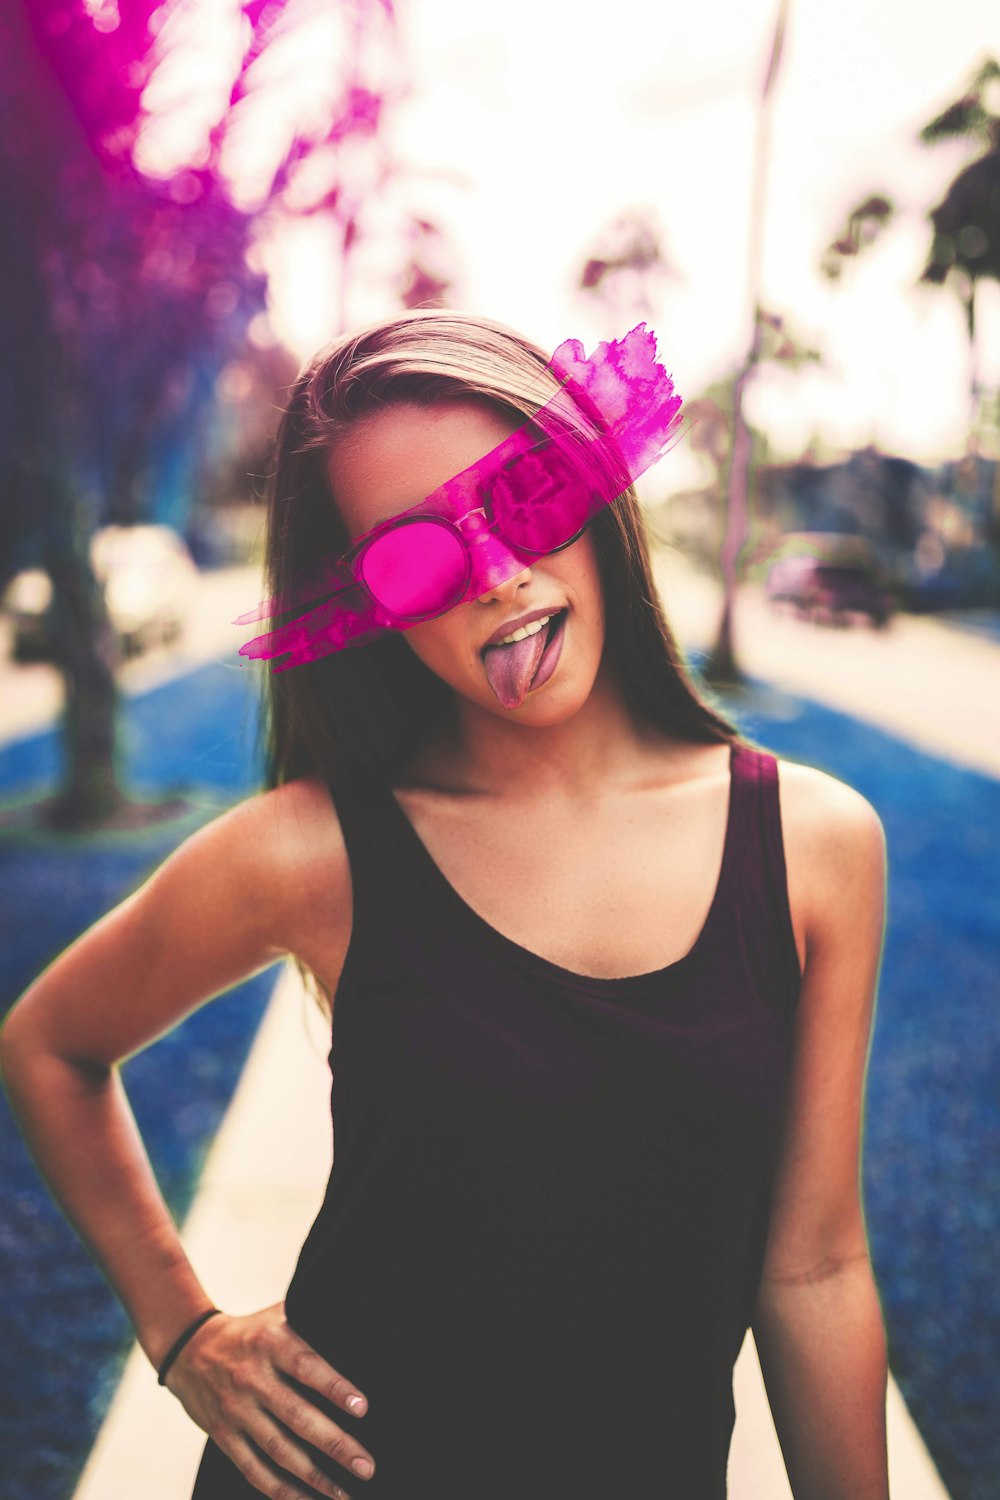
[(550, 656)]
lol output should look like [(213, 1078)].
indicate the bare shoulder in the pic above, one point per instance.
[(282, 850), (297, 831), (835, 848), (825, 806), (265, 878)]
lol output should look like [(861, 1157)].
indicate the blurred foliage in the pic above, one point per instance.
[(626, 270), (127, 303), (967, 220), (965, 225), (126, 296), (864, 224), (711, 414)]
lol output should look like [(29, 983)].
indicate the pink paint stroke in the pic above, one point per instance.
[(616, 414)]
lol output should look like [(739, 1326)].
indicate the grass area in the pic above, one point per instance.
[(931, 1172)]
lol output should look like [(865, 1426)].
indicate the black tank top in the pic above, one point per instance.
[(543, 1230)]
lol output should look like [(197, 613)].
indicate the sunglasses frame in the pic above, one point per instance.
[(352, 559)]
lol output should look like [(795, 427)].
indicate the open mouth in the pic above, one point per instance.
[(549, 630)]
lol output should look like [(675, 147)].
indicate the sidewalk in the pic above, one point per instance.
[(928, 681), (265, 1175)]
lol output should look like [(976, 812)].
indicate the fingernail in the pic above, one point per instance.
[(363, 1466), (356, 1403)]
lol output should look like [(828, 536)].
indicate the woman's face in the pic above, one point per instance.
[(391, 460)]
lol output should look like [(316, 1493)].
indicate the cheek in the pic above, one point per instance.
[(581, 571), (441, 647)]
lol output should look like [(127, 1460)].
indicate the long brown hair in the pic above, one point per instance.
[(371, 708)]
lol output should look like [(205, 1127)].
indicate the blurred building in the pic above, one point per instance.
[(935, 530)]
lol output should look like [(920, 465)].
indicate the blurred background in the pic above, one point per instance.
[(803, 201)]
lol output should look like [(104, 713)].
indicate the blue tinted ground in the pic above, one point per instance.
[(64, 1335), (932, 1165)]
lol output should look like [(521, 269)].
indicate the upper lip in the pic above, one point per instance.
[(512, 625)]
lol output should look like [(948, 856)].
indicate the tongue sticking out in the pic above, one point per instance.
[(511, 668)]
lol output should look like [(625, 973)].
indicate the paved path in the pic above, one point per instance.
[(931, 683)]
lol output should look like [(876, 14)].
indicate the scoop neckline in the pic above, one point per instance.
[(536, 963)]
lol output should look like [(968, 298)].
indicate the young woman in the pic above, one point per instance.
[(601, 1012)]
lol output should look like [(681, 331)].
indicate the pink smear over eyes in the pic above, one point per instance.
[(615, 414), (411, 566)]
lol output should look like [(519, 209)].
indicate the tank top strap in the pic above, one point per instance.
[(357, 800), (743, 814), (762, 909), (351, 793)]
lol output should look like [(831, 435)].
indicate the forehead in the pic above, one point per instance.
[(393, 458)]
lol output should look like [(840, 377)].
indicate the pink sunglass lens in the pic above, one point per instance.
[(418, 568), (539, 501)]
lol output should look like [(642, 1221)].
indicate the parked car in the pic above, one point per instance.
[(147, 573), (830, 577)]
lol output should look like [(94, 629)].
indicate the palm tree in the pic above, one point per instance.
[(965, 224), (720, 666)]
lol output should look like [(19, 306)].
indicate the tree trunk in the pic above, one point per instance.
[(972, 444), (720, 667), (87, 653)]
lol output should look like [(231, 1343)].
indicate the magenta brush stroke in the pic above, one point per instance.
[(614, 416)]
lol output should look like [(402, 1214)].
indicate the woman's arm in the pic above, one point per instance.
[(818, 1323), (211, 915), (262, 880)]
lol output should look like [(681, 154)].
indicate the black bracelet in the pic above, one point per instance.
[(176, 1348)]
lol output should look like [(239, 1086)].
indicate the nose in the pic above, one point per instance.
[(508, 589)]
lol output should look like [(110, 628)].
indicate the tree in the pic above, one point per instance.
[(122, 298), (712, 411), (720, 665), (626, 271), (965, 224)]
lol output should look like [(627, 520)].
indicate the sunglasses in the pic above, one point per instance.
[(419, 564), (531, 496)]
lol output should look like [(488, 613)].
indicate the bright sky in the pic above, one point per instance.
[(535, 125)]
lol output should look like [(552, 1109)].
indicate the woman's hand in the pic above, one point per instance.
[(230, 1379)]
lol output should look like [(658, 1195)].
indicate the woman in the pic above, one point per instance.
[(602, 1014)]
